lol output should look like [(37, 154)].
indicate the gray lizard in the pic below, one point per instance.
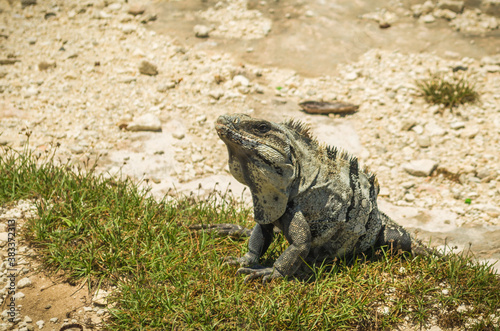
[(325, 206)]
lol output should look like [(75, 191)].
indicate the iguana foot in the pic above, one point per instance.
[(258, 271), (224, 230)]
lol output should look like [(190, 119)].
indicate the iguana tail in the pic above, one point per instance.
[(398, 238)]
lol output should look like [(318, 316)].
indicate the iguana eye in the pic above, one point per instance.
[(263, 128), (236, 120)]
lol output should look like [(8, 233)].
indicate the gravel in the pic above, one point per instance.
[(84, 102), (462, 16)]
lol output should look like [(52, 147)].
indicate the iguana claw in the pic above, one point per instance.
[(258, 271), (247, 260)]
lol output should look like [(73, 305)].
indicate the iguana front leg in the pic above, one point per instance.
[(298, 234), (260, 239)]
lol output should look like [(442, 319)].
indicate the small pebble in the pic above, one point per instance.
[(201, 31), (24, 282), (40, 324), (148, 68), (136, 9)]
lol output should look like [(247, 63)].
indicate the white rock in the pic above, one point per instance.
[(309, 13), (408, 124), (165, 87), (178, 135), (114, 6), (409, 197), (102, 14), (100, 298), (201, 31), (420, 168), (24, 282), (147, 122), (128, 80), (453, 5), (427, 7), (240, 80), (138, 52), (31, 92), (417, 10), (176, 129), (493, 60), (40, 324), (491, 68), (418, 129), (54, 320), (451, 54), (258, 89), (469, 132), (444, 13), (429, 18), (384, 310), (434, 130), (128, 28), (27, 319), (457, 125), (483, 173), (351, 76), (136, 8), (197, 158), (423, 141), (201, 118), (76, 149), (19, 295)]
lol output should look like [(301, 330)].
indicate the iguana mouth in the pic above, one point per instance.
[(238, 137), (229, 135)]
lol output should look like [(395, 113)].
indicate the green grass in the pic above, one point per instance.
[(448, 91), (109, 232)]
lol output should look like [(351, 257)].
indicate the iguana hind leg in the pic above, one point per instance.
[(394, 235)]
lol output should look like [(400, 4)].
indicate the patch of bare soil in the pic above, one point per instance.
[(33, 297)]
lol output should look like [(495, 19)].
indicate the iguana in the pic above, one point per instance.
[(317, 195)]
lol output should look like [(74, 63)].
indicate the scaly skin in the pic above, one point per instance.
[(316, 195)]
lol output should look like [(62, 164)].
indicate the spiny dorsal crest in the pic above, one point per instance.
[(300, 128), (333, 153)]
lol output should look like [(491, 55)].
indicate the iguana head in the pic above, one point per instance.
[(259, 157)]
